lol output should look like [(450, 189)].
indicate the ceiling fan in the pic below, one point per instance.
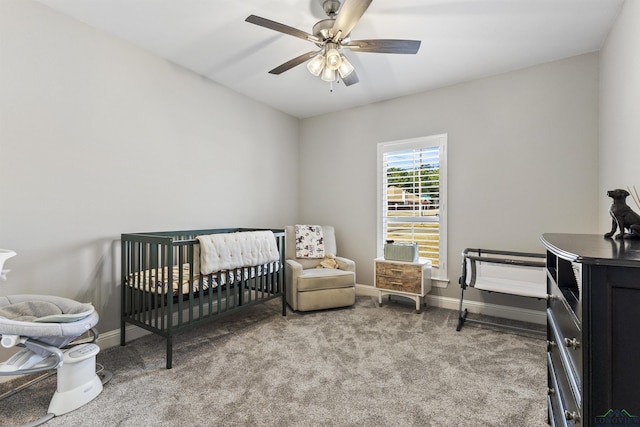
[(331, 35)]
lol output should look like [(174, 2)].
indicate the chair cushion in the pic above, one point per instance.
[(325, 278)]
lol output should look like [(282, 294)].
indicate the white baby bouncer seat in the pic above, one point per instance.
[(47, 327)]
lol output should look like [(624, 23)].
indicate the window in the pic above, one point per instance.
[(412, 197)]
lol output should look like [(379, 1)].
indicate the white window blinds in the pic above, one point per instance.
[(411, 197)]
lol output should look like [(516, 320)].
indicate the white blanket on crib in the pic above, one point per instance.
[(226, 251)]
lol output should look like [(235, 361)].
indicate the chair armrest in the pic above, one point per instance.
[(346, 264), (294, 265), (295, 270)]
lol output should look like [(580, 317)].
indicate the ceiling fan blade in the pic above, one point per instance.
[(276, 26), (292, 63), (384, 46), (351, 79), (348, 16)]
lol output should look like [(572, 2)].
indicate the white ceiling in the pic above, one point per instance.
[(461, 40)]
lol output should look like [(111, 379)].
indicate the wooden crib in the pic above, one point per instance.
[(165, 292)]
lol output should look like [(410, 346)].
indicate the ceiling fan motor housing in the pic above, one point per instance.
[(321, 29), (331, 7)]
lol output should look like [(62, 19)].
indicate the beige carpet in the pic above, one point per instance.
[(361, 366)]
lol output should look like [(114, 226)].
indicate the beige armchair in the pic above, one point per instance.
[(311, 288)]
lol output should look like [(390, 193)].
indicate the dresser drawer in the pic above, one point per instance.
[(572, 380), (566, 335), (563, 408), (552, 408)]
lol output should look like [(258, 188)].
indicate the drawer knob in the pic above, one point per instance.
[(572, 342), (571, 416)]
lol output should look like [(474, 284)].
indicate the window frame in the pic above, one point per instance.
[(438, 273)]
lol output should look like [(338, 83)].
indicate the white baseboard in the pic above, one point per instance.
[(112, 338), (503, 311), (476, 307)]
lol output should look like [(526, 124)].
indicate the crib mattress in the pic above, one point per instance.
[(156, 280)]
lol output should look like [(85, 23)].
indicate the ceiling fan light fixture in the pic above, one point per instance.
[(328, 75), (345, 67), (332, 57), (316, 65)]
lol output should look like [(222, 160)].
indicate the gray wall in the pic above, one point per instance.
[(620, 110), (523, 158), (100, 138)]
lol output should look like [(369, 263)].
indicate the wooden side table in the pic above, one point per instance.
[(408, 279)]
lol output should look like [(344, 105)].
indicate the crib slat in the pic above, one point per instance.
[(219, 292)]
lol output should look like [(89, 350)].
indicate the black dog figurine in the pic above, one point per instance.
[(623, 217)]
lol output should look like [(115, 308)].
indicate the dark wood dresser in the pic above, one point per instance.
[(593, 330)]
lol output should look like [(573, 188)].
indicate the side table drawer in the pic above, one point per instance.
[(398, 284), (399, 277)]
